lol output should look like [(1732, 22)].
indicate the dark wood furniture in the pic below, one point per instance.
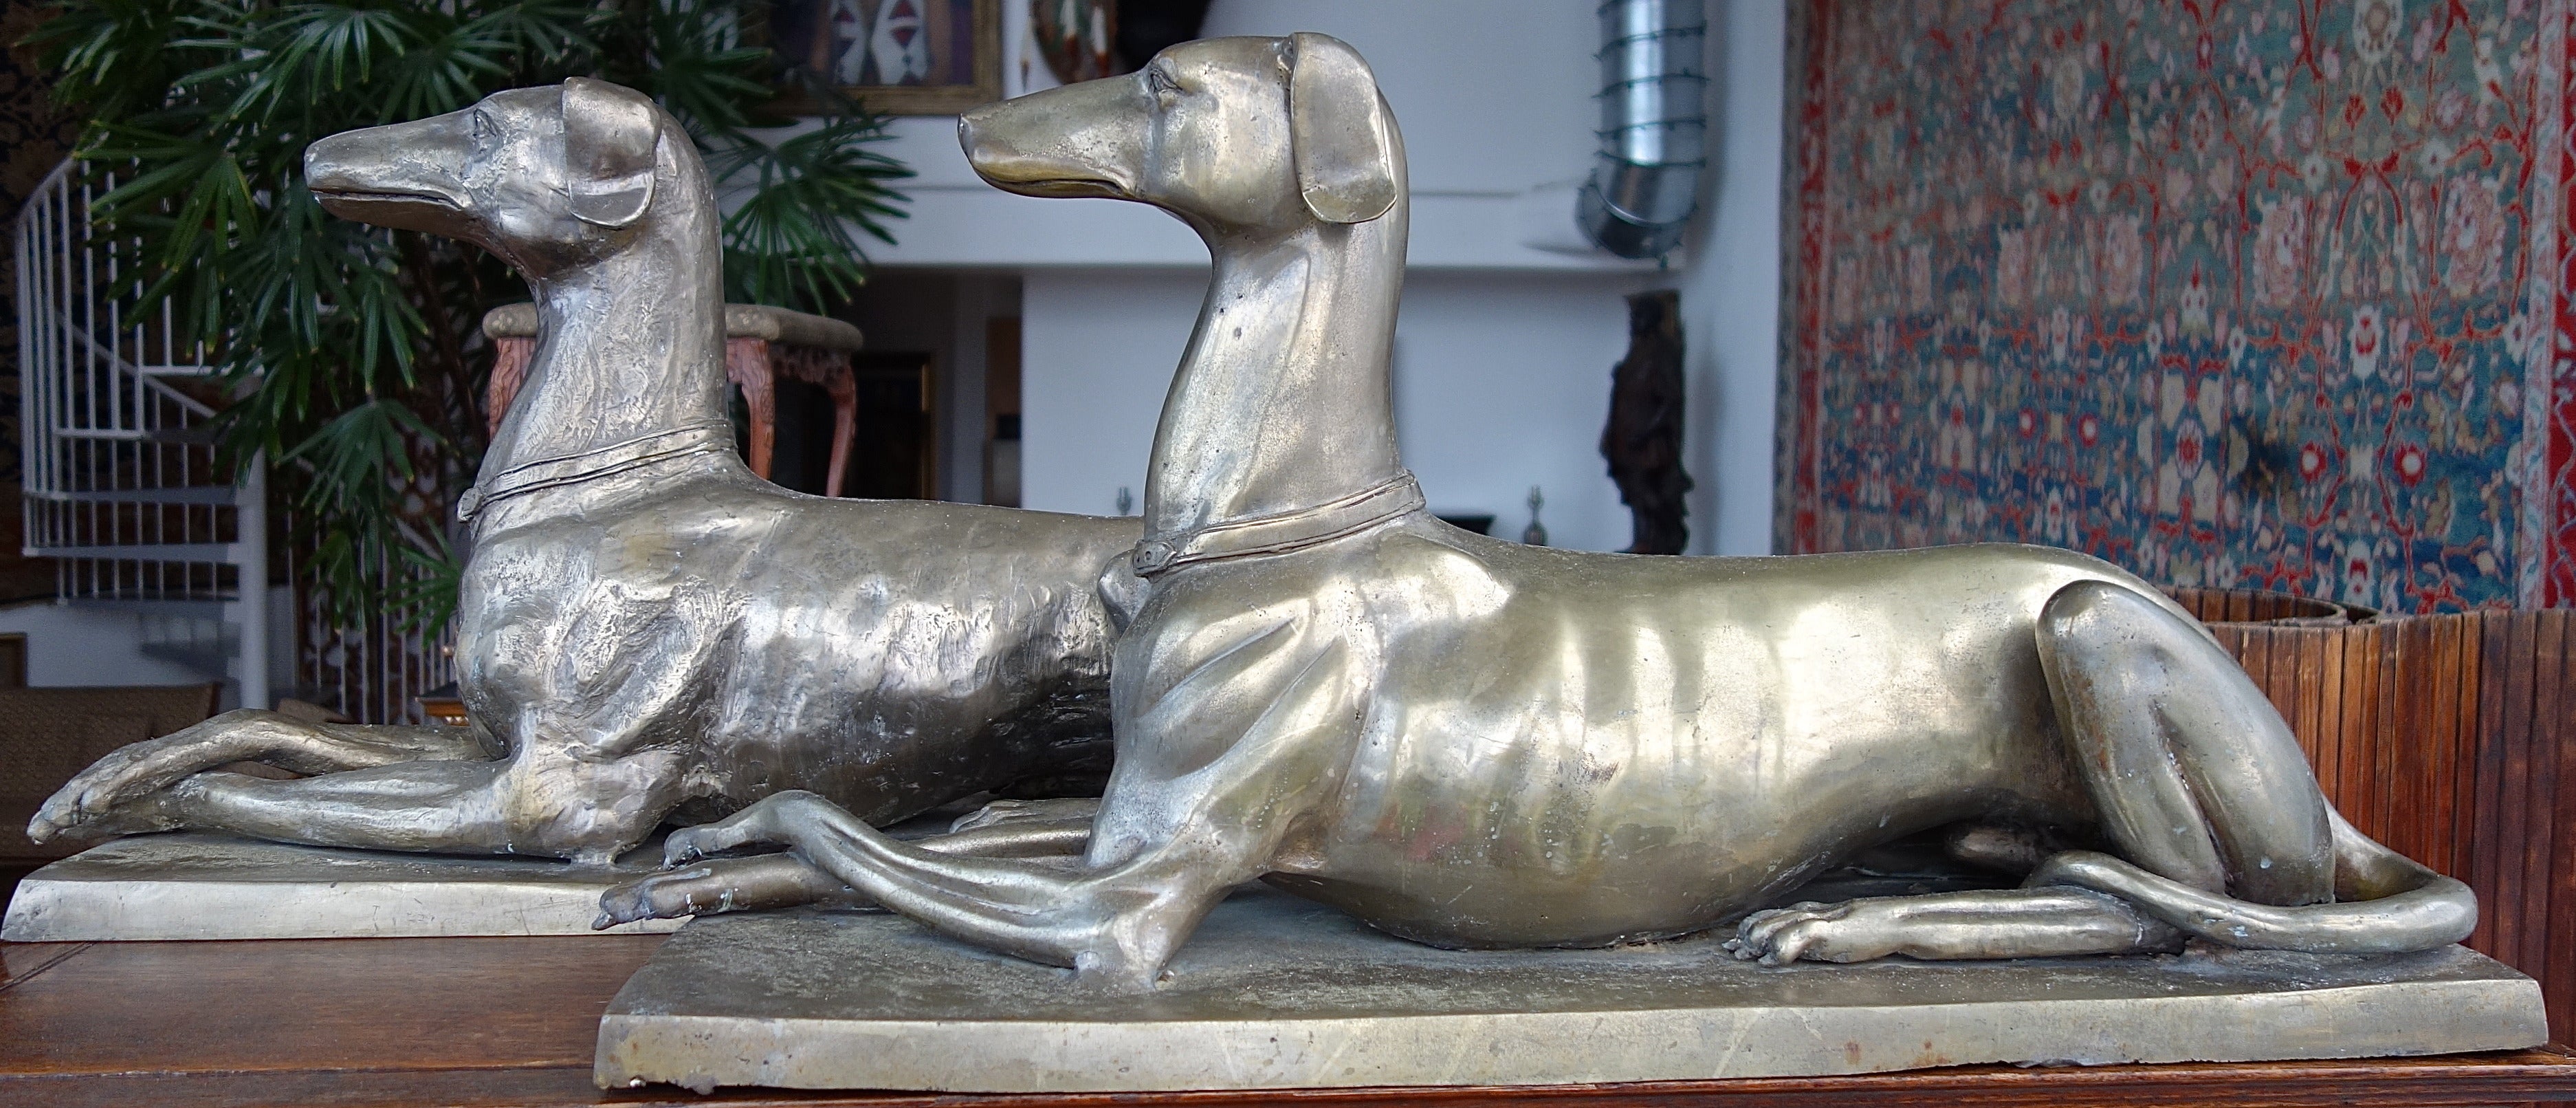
[(49, 734), (481, 1023), (896, 457), (762, 344), (445, 704), (13, 660)]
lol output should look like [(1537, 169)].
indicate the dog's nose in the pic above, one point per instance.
[(975, 132), (329, 165), (970, 123)]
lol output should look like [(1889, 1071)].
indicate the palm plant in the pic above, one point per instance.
[(351, 351)]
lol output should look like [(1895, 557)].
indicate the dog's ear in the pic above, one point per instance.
[(609, 132), (1344, 146)]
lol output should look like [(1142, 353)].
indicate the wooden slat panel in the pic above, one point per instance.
[(2432, 662), (2205, 605), (2391, 818), (2325, 753), (2513, 824), (2471, 758), (2231, 638), (2353, 778), (2538, 843), (2345, 650), (2410, 731), (2562, 983), (2256, 656), (2385, 643), (2553, 919), (2486, 836), (2280, 679)]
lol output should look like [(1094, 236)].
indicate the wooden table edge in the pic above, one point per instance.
[(2547, 1075)]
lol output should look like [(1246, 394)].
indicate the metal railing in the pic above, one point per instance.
[(125, 488), (373, 673), (122, 483)]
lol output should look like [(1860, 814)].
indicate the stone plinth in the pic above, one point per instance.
[(192, 886), (1275, 992)]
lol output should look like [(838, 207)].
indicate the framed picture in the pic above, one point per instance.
[(899, 57)]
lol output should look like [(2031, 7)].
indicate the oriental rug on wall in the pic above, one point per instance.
[(2266, 293)]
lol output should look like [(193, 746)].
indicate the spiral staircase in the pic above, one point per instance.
[(122, 484)]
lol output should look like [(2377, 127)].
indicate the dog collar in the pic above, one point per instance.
[(616, 457), (1283, 532)]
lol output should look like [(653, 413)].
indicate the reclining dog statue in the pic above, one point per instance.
[(643, 624), (1475, 743)]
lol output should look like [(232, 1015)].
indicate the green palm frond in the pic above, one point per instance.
[(794, 237), (200, 110)]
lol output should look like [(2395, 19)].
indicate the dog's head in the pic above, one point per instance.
[(1232, 134), (535, 175)]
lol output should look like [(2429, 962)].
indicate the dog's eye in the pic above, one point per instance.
[(1161, 82)]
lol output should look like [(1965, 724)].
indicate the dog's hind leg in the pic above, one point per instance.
[(2165, 726), (2200, 785)]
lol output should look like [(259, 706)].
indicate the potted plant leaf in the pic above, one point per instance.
[(349, 352)]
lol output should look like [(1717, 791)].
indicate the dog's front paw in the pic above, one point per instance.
[(1852, 931), (113, 795), (93, 816), (686, 892), (693, 844)]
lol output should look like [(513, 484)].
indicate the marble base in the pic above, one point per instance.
[(193, 886), (1276, 992)]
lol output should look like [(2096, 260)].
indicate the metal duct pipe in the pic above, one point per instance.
[(1654, 127)]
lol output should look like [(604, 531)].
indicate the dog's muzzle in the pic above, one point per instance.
[(403, 175), (1078, 140)]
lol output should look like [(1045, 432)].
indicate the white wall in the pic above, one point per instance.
[(1502, 372), (89, 646), (98, 645), (1502, 382), (1097, 348), (1731, 290), (1490, 97), (1494, 101)]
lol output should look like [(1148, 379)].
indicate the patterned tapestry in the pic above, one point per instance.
[(2261, 293)]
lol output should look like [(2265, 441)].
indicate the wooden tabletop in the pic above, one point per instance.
[(483, 1023)]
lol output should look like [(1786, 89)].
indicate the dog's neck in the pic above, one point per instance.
[(1282, 400), (629, 345)]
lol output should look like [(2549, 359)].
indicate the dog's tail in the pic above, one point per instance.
[(2386, 903)]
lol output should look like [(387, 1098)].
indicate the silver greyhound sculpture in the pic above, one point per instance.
[(1475, 743), (644, 625)]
